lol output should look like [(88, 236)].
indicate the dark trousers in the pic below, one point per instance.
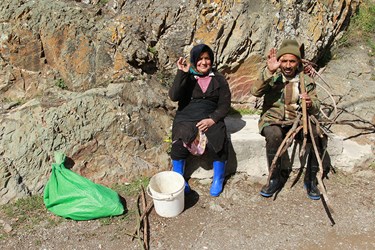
[(275, 134), (179, 152)]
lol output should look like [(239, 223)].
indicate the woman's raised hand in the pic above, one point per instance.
[(182, 64)]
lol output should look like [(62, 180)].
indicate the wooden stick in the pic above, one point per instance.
[(320, 163), (290, 140), (139, 222), (143, 242), (304, 114), (319, 130), (322, 188), (303, 147), (281, 148), (149, 206), (136, 227), (351, 123), (132, 235), (304, 110), (145, 220), (299, 174)]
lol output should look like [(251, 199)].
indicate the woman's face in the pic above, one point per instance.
[(204, 63), (289, 65)]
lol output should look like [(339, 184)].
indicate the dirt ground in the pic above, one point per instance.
[(239, 219)]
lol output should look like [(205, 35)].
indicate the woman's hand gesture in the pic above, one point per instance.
[(183, 65)]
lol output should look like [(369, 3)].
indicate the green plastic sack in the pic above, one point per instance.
[(70, 195)]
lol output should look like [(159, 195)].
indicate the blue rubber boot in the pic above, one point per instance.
[(179, 167), (218, 178)]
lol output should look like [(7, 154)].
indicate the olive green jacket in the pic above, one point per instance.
[(274, 89)]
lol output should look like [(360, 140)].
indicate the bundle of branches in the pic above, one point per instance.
[(331, 109)]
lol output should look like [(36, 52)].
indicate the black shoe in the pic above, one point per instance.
[(312, 190), (271, 188)]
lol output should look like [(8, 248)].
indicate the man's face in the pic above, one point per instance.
[(289, 65)]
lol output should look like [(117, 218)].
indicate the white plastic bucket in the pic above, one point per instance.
[(167, 191)]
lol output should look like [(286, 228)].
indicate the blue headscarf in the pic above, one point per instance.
[(195, 52)]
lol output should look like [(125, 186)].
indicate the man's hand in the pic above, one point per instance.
[(309, 70), (182, 64), (272, 63), (307, 98)]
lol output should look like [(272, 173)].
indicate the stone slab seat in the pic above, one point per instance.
[(248, 154)]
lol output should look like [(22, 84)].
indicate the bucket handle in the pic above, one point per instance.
[(163, 199)]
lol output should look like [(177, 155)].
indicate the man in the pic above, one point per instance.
[(280, 86)]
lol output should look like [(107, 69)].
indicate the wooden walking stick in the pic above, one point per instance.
[(306, 122), (145, 220), (304, 110)]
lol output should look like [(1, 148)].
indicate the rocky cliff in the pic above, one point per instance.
[(89, 78)]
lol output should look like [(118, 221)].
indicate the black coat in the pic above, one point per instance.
[(194, 105)]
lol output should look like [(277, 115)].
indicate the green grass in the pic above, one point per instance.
[(133, 188), (27, 212), (16, 102), (129, 77), (103, 2), (125, 190), (244, 111), (361, 27), (61, 84), (24, 209), (30, 211), (152, 50), (365, 19)]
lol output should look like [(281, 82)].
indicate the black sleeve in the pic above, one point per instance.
[(178, 89), (224, 102)]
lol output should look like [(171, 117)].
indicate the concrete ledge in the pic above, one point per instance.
[(248, 153)]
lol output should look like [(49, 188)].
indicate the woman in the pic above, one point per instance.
[(204, 99)]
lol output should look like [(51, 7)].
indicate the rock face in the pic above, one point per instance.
[(90, 79)]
